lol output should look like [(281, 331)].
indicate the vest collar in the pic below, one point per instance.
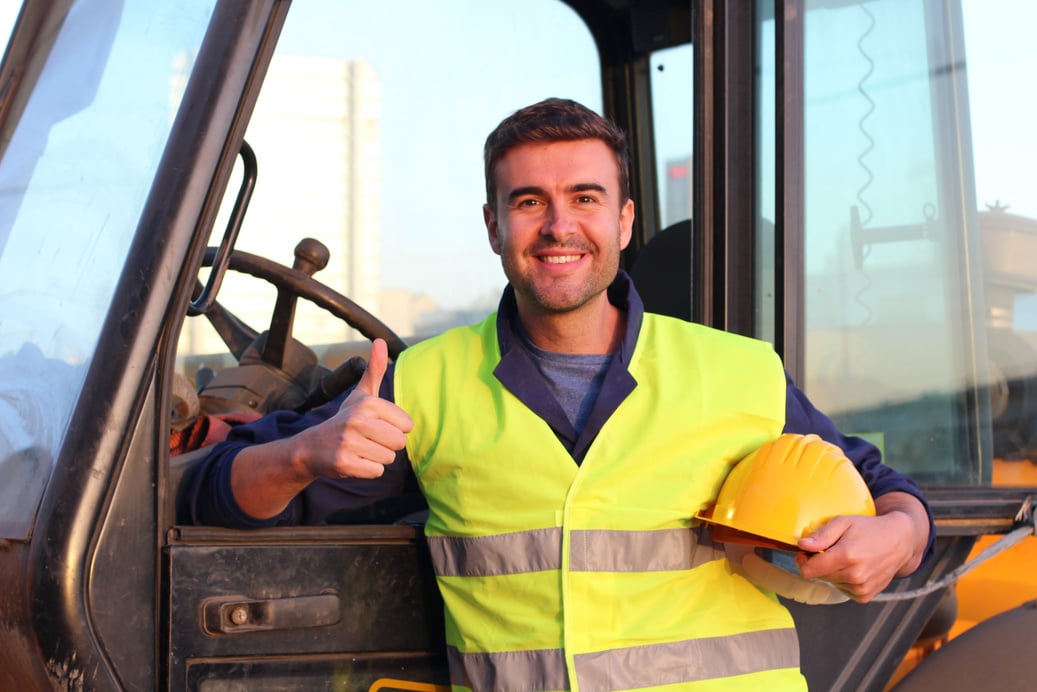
[(517, 372)]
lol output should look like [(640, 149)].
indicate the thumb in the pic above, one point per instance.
[(825, 537), (371, 381)]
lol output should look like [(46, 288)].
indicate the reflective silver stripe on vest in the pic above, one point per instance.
[(592, 551), (539, 669), (638, 551), (688, 661), (692, 660), (506, 553)]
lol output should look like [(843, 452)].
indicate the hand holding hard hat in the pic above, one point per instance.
[(778, 495)]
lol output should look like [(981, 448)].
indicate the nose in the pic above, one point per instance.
[(559, 223)]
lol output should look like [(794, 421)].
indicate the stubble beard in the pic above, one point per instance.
[(558, 297)]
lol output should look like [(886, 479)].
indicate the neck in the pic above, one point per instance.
[(594, 328)]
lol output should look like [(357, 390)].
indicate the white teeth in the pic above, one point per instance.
[(561, 259)]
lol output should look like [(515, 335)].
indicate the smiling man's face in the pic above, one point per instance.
[(559, 224)]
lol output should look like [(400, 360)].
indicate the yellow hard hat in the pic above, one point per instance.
[(786, 490)]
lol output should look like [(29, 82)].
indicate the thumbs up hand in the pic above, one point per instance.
[(365, 434)]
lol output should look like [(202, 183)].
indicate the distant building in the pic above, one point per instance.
[(404, 312), (678, 191)]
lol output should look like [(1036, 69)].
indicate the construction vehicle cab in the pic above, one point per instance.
[(851, 181)]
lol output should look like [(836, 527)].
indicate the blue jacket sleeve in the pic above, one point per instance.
[(802, 417), (207, 499)]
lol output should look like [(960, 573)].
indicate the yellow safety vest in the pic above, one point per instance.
[(595, 577)]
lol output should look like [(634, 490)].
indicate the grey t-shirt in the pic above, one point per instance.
[(573, 378)]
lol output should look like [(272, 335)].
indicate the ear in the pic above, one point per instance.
[(626, 223), (490, 219)]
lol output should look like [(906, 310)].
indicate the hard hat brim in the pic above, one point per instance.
[(726, 533)]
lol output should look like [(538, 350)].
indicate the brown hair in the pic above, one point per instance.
[(553, 120)]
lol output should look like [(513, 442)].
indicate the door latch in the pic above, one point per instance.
[(233, 614)]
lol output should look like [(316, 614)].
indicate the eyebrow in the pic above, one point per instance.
[(534, 190), (523, 191)]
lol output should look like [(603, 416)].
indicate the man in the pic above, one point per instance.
[(563, 446)]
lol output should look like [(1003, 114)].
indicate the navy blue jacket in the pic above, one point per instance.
[(209, 500)]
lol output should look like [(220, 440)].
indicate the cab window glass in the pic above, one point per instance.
[(884, 346), (919, 205), (73, 181), (997, 50), (368, 135), (672, 124)]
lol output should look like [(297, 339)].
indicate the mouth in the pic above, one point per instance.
[(560, 259)]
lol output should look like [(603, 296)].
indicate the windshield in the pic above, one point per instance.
[(73, 182)]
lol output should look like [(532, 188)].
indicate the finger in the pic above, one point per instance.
[(371, 381), (379, 439), (825, 537), (362, 468)]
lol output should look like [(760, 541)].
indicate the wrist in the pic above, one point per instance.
[(910, 522), (293, 455)]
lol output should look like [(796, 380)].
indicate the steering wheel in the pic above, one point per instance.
[(275, 359)]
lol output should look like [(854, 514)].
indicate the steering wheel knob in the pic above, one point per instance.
[(311, 256)]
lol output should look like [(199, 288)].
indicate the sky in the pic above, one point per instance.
[(1002, 102), (8, 13)]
